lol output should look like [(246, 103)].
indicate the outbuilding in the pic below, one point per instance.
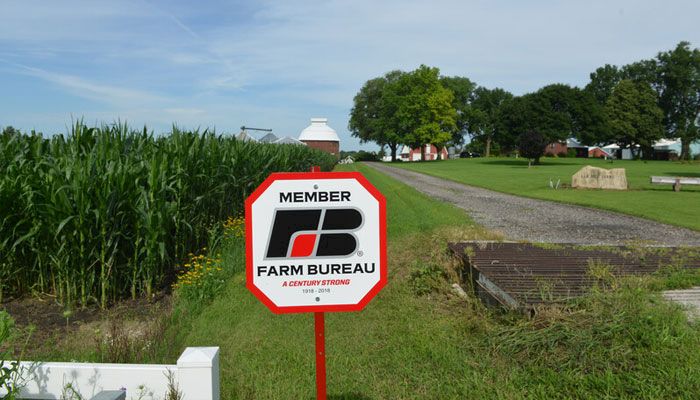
[(269, 138), (432, 152), (245, 137), (289, 140)]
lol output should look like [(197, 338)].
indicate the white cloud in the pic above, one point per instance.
[(105, 93)]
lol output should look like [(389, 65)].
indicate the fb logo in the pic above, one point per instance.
[(315, 232)]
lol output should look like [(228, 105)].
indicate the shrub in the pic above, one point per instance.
[(531, 145), (365, 156)]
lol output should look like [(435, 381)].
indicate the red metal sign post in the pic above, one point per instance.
[(320, 335), (319, 321)]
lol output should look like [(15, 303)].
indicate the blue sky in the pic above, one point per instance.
[(275, 64)]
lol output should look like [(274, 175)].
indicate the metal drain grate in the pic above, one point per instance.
[(523, 275)]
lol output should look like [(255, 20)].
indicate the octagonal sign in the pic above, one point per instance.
[(315, 242)]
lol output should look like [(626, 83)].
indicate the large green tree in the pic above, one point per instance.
[(634, 117), (511, 121), (678, 81), (483, 116), (373, 115), (424, 112), (588, 122), (555, 111), (603, 81), (462, 89), (643, 71)]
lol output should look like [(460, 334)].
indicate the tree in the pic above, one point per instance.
[(602, 83), (644, 71), (462, 89), (531, 145), (424, 112), (588, 122), (483, 117), (549, 111), (678, 80), (633, 116), (558, 112), (604, 79), (555, 111), (511, 121), (372, 118)]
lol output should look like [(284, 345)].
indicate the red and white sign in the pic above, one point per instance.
[(315, 242)]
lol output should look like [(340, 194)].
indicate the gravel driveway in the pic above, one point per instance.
[(520, 218)]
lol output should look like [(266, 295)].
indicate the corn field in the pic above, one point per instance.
[(106, 212)]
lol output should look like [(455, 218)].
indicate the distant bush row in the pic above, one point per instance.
[(106, 212)]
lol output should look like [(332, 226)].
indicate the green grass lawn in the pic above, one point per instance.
[(416, 340), (510, 175)]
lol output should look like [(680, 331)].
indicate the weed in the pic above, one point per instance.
[(548, 246), (129, 343), (12, 373), (602, 274), (173, 392), (70, 393), (545, 289), (427, 278)]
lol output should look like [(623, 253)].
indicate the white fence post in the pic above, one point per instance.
[(198, 373)]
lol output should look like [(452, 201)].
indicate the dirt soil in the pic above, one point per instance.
[(53, 328), (520, 218)]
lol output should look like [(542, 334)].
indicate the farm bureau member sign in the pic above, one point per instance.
[(315, 242)]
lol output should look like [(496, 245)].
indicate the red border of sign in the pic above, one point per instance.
[(315, 175)]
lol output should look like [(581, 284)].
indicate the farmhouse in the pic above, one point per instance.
[(431, 153), (320, 136)]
